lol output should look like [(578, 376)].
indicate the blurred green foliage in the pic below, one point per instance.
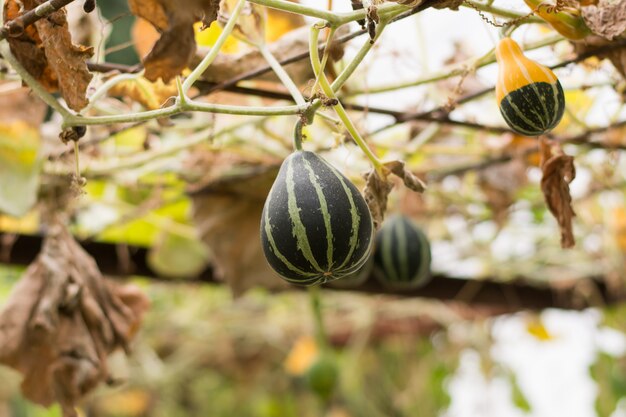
[(201, 353), (117, 12)]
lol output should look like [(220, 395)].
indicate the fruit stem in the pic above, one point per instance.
[(330, 94), (297, 135)]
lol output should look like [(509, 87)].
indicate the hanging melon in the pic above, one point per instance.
[(529, 94), (316, 226), (402, 257)]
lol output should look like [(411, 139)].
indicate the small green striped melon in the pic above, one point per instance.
[(316, 226), (402, 256), (529, 95)]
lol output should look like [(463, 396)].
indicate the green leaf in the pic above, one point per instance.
[(177, 256), (19, 167), (608, 372)]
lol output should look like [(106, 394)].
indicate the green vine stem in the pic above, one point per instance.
[(334, 19), (358, 58), (327, 49), (37, 88), (353, 65), (70, 119), (459, 69), (341, 112), (297, 135), (484, 7), (107, 85), (282, 75), (321, 336), (109, 167)]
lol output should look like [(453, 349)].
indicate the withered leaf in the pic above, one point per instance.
[(558, 172), (607, 18), (411, 181), (228, 199), (376, 192), (62, 320), (176, 47), (171, 54), (68, 61), (152, 95), (150, 10), (46, 51), (499, 183)]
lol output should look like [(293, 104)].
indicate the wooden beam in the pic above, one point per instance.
[(122, 260)]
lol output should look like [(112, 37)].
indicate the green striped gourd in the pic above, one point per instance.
[(316, 226), (402, 256), (529, 94)]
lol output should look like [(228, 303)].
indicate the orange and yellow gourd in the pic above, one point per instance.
[(529, 94)]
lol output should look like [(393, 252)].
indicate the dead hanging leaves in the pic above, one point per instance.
[(228, 195), (377, 188), (46, 51), (62, 320), (176, 47), (607, 20), (499, 184), (558, 172)]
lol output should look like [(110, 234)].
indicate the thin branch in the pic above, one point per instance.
[(16, 26), (581, 139), (442, 111)]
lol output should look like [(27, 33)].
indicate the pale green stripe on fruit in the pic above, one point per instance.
[(387, 252), (557, 102), (520, 113), (298, 229), (270, 238), (354, 214), (325, 214), (402, 251), (534, 87)]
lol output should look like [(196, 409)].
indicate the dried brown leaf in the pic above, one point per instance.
[(68, 61), (376, 193), (411, 181), (62, 320), (152, 95), (46, 51), (150, 10), (607, 18), (558, 172), (174, 50), (499, 183), (171, 54), (227, 205)]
